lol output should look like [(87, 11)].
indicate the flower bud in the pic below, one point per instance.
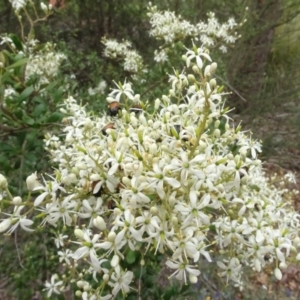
[(78, 293), (32, 182), (257, 265), (3, 182), (217, 133), (196, 69), (99, 223), (17, 200), (95, 177), (153, 210), (278, 274), (217, 123), (212, 83), (44, 7), (126, 181), (207, 71), (78, 233), (166, 99), (111, 236), (191, 78), (115, 261), (172, 92), (88, 124), (283, 265), (143, 120), (137, 98), (4, 225), (213, 67), (174, 220), (156, 104), (105, 277), (193, 279)]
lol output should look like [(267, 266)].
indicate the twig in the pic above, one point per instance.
[(18, 252), (154, 85), (140, 280), (21, 167), (231, 87)]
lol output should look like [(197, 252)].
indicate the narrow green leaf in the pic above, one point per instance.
[(19, 63), (26, 93)]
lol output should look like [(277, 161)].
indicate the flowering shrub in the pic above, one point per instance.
[(179, 180), (169, 177)]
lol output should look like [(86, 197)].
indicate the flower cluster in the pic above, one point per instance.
[(18, 4), (45, 64), (131, 60), (170, 28), (179, 180)]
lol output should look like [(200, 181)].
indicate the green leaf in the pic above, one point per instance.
[(26, 93), (131, 257), (39, 110), (19, 63), (55, 117), (27, 120), (17, 42)]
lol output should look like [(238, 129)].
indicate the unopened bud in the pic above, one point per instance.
[(3, 182), (212, 83), (32, 182), (213, 67), (217, 123), (4, 225), (126, 181), (191, 78), (153, 210), (99, 223), (278, 274), (207, 71), (78, 293), (193, 279), (115, 261), (78, 233), (196, 69), (172, 92), (157, 104), (105, 277), (17, 200), (111, 236), (166, 99)]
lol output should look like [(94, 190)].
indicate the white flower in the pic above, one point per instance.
[(291, 177), (120, 281), (182, 269), (232, 269), (18, 4), (122, 89), (53, 287), (197, 53), (59, 240), (88, 248)]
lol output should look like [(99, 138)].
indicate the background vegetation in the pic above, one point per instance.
[(262, 71)]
